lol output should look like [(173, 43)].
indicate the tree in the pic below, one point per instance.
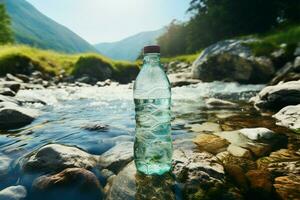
[(173, 42), (5, 29)]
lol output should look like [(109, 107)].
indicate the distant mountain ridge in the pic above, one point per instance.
[(32, 27), (130, 47)]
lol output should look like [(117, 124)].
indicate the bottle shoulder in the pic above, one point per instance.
[(152, 82)]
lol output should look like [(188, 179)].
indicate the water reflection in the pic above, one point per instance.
[(156, 187)]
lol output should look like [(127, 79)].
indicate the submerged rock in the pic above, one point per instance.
[(288, 187), (205, 127), (96, 127), (71, 183), (278, 96), (13, 193), (4, 164), (260, 183), (117, 157), (182, 79), (219, 103), (211, 143), (281, 162), (232, 60), (289, 117), (129, 184), (259, 141), (13, 116), (55, 157)]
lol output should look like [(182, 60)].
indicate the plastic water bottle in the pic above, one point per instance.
[(152, 97)]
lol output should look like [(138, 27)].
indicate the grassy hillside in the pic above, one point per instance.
[(20, 58), (35, 29)]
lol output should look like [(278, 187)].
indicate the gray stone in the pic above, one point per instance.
[(289, 117), (231, 60), (182, 79), (257, 133), (13, 193), (55, 157), (13, 116), (278, 96), (117, 157)]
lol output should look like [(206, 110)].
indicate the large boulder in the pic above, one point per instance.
[(278, 96), (13, 193), (232, 60), (13, 116), (289, 117), (56, 157), (71, 183)]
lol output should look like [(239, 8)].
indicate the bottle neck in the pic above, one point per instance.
[(152, 59)]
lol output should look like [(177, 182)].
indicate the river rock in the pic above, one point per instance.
[(14, 86), (182, 79), (10, 77), (4, 164), (205, 127), (13, 116), (288, 187), (23, 77), (281, 162), (96, 127), (13, 193), (219, 103), (239, 151), (71, 183), (9, 99), (278, 96), (289, 116), (199, 173), (231, 60), (260, 183), (258, 133), (259, 147), (55, 157), (117, 157), (211, 143), (7, 92), (289, 72)]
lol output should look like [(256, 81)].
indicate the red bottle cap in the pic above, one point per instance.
[(152, 49)]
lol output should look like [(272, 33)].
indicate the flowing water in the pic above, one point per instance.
[(70, 109)]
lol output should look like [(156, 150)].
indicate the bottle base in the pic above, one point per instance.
[(153, 169)]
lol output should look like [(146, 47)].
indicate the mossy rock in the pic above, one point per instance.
[(125, 72), (93, 67), (17, 63)]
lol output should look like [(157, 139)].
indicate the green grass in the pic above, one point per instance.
[(190, 58), (17, 58), (270, 42)]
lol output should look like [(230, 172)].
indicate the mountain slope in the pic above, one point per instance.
[(129, 48), (34, 28)]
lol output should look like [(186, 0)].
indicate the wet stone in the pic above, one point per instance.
[(71, 183), (211, 143), (13, 193)]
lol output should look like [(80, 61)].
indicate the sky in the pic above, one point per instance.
[(112, 20)]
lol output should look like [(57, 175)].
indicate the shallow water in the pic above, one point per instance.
[(69, 109)]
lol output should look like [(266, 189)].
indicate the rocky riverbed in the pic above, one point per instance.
[(74, 141)]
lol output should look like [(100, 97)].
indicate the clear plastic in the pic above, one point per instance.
[(152, 96)]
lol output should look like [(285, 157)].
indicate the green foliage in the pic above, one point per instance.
[(173, 42), (214, 20), (5, 30), (22, 59), (271, 41), (189, 58)]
